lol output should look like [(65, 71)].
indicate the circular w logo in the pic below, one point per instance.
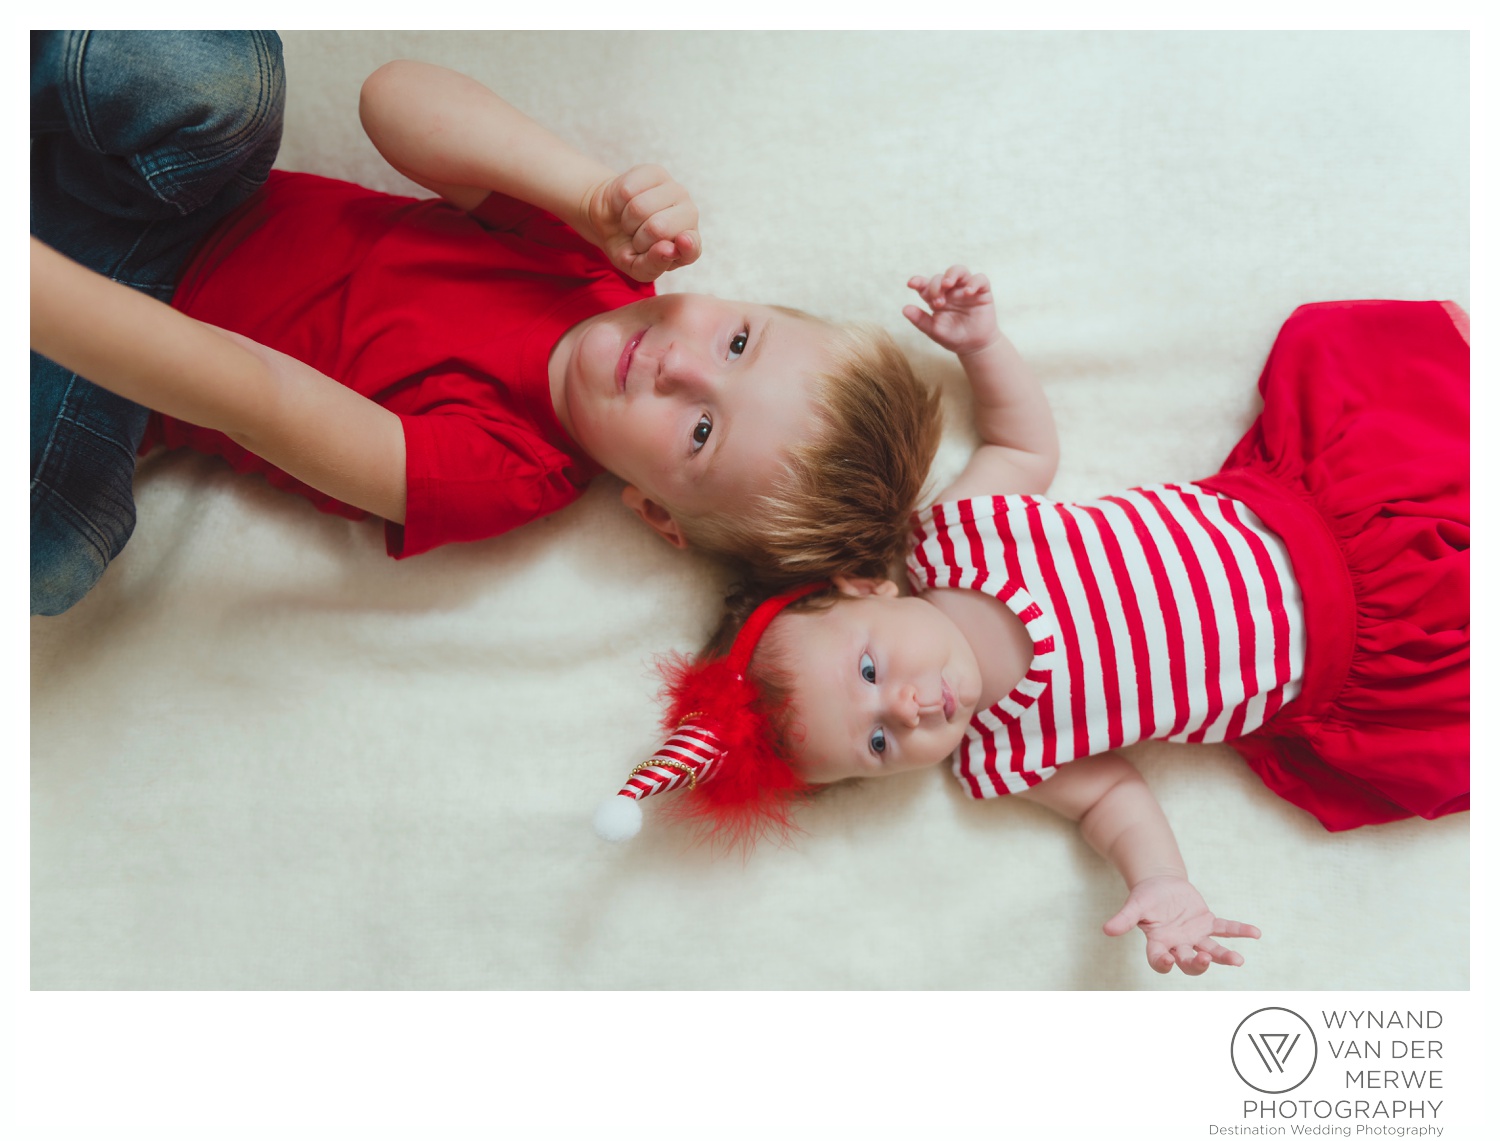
[(1273, 1050)]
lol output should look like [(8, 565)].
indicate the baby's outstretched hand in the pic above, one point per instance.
[(963, 312), (645, 221), (1180, 930)]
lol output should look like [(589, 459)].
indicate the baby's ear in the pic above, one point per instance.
[(654, 515), (856, 587)]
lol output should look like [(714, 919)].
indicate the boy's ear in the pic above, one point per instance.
[(654, 515), (864, 587)]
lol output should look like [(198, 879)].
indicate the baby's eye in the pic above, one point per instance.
[(738, 344), (701, 432), (867, 668), (877, 741)]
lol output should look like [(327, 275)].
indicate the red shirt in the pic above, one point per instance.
[(444, 317)]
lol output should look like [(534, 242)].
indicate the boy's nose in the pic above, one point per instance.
[(683, 368)]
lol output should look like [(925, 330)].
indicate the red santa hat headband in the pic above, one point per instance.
[(719, 745)]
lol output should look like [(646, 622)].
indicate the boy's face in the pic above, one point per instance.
[(883, 684), (691, 400)]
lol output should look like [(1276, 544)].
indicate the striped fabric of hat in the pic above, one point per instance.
[(719, 724)]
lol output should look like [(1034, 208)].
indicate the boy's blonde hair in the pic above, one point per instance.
[(843, 504)]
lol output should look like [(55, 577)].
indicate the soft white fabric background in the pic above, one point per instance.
[(266, 756)]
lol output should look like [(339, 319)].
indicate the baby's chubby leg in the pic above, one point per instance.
[(140, 142)]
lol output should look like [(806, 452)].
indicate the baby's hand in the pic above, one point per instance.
[(963, 312), (645, 221), (1179, 927)]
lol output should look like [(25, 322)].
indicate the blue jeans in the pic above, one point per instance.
[(140, 143)]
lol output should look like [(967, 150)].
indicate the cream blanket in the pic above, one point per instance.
[(264, 755)]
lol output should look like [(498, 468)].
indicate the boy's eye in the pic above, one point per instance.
[(877, 741), (701, 432), (867, 668), (738, 344)]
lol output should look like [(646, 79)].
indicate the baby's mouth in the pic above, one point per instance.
[(949, 704)]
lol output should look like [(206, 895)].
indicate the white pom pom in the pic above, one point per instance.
[(618, 819)]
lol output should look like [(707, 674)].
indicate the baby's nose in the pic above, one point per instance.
[(909, 706)]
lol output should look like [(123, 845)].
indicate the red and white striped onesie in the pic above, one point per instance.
[(1167, 611)]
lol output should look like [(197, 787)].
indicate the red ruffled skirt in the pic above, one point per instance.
[(1360, 463)]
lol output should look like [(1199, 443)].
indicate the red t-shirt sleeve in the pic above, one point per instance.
[(469, 477), (510, 215)]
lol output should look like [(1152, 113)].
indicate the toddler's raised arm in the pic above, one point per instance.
[(1121, 819), (455, 136), (1018, 452)]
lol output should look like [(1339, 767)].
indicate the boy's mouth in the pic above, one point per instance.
[(627, 354), (949, 704)]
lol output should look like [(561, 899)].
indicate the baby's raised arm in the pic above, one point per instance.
[(1121, 819), (455, 136), (1018, 451)]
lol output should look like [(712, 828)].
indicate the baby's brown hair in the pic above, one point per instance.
[(767, 668), (844, 503)]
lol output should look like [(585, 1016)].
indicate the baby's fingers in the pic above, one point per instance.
[(1220, 954), (1192, 961), (1230, 929), (919, 317), (975, 285), (1160, 957), (1125, 920), (939, 288), (931, 289), (953, 275)]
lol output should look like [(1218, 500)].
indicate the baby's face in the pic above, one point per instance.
[(883, 684), (692, 400)]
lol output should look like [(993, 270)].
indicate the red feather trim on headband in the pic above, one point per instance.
[(720, 745), (753, 788)]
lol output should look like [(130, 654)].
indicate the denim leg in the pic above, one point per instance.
[(140, 143), (83, 441)]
